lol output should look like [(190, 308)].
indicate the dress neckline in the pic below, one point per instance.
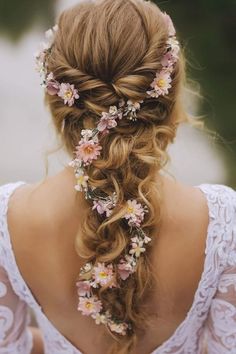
[(33, 303)]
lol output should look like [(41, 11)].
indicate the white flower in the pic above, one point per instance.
[(82, 182), (99, 319), (87, 134), (137, 248), (147, 239)]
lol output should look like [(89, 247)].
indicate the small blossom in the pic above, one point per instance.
[(125, 269), (174, 49), (83, 288), (86, 268), (103, 275), (87, 134), (135, 213), (161, 84), (89, 306), (87, 151), (40, 58), (68, 93), (52, 86), (132, 108), (147, 239), (100, 318), (119, 328), (107, 121), (105, 206), (82, 182), (137, 248), (50, 36)]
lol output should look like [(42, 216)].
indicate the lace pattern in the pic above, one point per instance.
[(213, 312)]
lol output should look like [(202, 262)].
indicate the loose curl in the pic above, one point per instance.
[(111, 50)]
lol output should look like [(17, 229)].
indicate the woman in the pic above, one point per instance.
[(110, 254)]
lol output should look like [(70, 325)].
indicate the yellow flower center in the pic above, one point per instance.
[(130, 210), (161, 83), (88, 149), (89, 305), (103, 275), (68, 94), (81, 179)]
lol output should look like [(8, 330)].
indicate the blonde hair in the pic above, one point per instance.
[(111, 50)]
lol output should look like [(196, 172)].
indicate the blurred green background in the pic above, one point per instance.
[(207, 29)]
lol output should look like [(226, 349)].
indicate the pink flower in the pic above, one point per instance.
[(106, 122), (167, 60), (135, 213), (124, 269), (173, 44), (170, 25), (89, 306), (105, 206), (83, 288), (87, 151), (68, 93), (161, 84), (52, 86), (103, 275), (99, 206)]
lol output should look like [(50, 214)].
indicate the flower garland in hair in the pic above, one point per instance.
[(162, 82), (94, 276)]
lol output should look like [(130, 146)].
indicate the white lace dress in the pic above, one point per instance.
[(210, 322)]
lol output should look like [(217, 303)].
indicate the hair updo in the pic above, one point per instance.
[(111, 50)]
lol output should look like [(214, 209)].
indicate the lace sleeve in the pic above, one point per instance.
[(15, 337), (221, 322)]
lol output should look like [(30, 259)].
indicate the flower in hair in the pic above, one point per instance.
[(125, 268), (50, 36), (132, 108), (44, 50), (105, 205), (134, 213), (68, 93), (89, 305), (100, 318), (161, 84), (52, 86), (87, 134), (82, 182), (137, 247), (83, 288), (87, 151), (107, 121), (103, 275), (120, 328)]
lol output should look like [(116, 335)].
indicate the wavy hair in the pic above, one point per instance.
[(111, 50)]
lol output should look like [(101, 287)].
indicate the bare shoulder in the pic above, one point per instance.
[(182, 239)]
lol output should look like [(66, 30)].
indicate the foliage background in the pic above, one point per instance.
[(208, 30)]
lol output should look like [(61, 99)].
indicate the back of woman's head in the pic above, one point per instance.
[(111, 50)]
